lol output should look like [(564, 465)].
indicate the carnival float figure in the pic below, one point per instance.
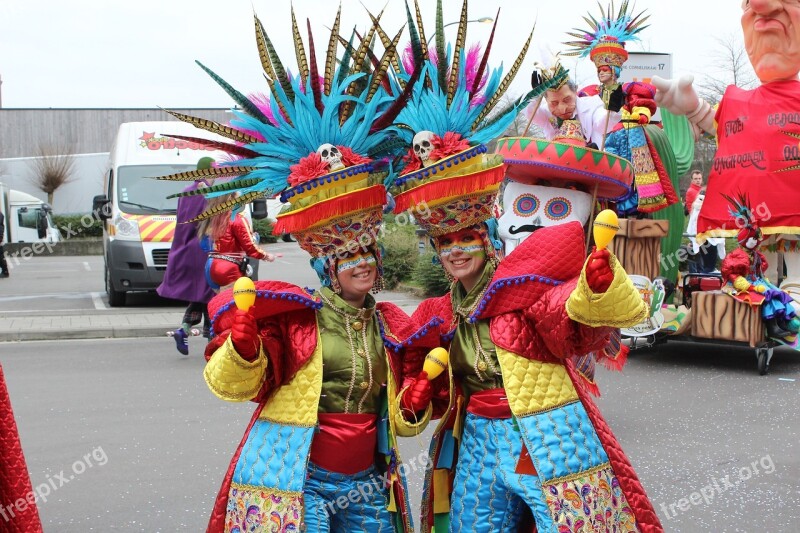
[(744, 271), (518, 434), (567, 116), (604, 43), (757, 132), (324, 366)]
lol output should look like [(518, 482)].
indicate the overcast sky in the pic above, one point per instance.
[(96, 54)]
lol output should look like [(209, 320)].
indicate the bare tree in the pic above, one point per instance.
[(53, 168), (730, 66)]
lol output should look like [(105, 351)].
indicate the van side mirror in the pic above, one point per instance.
[(101, 207), (41, 223), (259, 209)]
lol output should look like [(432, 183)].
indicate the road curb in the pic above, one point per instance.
[(86, 333)]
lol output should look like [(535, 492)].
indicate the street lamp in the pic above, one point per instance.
[(482, 19)]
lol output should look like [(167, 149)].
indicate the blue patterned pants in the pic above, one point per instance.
[(487, 495), (338, 502)]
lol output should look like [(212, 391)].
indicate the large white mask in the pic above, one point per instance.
[(527, 208)]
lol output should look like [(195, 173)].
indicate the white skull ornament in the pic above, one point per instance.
[(423, 146), (331, 155), (527, 208)]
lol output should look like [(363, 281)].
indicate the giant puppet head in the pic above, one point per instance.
[(526, 208), (772, 38)]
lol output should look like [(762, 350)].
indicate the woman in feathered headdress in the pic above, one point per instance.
[(510, 324), (320, 364), (604, 43)]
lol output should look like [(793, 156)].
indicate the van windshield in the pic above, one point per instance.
[(138, 194)]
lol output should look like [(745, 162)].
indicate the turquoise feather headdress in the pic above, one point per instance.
[(453, 111), (604, 40), (313, 126)]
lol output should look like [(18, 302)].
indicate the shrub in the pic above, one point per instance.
[(78, 226), (264, 229), (399, 253), (431, 277)]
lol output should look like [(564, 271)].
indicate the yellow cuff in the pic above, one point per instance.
[(232, 378), (620, 306), (403, 427)]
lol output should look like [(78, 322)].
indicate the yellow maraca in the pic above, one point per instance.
[(606, 225), (244, 293), (435, 362)]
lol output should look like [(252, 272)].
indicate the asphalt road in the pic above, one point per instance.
[(74, 284), (128, 438)]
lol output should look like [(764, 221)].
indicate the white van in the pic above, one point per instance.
[(139, 219), (27, 218)]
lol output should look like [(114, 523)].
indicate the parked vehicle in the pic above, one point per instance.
[(27, 218), (139, 218)]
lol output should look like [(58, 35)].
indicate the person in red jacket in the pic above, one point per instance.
[(694, 190), (231, 239)]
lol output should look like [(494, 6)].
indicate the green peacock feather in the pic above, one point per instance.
[(299, 51), (440, 50), (211, 173), (461, 39), (249, 107), (277, 71), (330, 59), (214, 127), (227, 186), (230, 204), (507, 79)]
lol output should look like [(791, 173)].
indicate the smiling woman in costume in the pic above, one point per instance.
[(320, 364), (519, 441)]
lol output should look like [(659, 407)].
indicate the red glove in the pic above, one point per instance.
[(598, 271), (244, 334), (417, 396)]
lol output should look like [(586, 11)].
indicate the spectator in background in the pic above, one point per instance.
[(694, 189), (185, 275), (704, 256), (229, 238), (3, 264)]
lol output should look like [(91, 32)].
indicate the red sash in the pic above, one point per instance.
[(345, 443)]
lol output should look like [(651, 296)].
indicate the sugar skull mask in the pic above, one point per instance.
[(527, 208)]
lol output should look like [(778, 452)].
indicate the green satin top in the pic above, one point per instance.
[(353, 356), (476, 369)]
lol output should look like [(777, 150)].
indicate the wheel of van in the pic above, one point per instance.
[(115, 298)]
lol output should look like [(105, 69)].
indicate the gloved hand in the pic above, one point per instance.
[(417, 396), (244, 335), (677, 96), (616, 99), (536, 79), (598, 271)]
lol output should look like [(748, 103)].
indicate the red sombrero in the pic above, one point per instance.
[(529, 160)]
